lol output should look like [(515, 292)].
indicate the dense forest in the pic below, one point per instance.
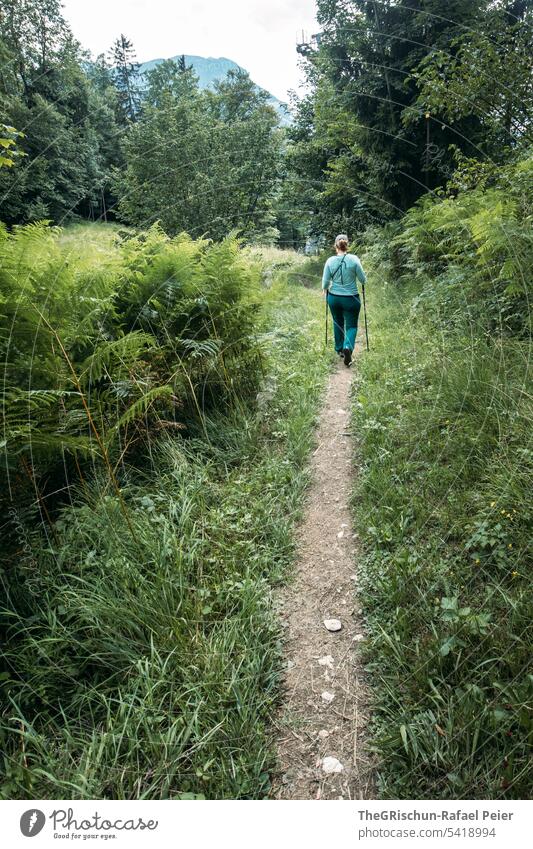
[(402, 100), (162, 361), (98, 143)]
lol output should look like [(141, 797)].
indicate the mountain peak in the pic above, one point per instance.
[(209, 70)]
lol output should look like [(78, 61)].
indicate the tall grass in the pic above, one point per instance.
[(143, 662), (442, 411)]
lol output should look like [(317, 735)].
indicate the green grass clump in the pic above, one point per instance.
[(443, 508), (143, 657)]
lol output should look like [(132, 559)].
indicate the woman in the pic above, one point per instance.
[(339, 284)]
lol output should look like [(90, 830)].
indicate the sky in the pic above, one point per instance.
[(260, 35)]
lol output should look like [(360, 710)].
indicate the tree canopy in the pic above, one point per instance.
[(396, 91), (95, 140)]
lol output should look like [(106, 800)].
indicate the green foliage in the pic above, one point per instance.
[(487, 75), (473, 254), (125, 75), (107, 347), (396, 92), (203, 162), (147, 666), (443, 506), (70, 133), (8, 143), (94, 137)]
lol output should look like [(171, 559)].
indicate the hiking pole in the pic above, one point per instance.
[(326, 300), (366, 325)]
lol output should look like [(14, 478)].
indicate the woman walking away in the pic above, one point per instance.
[(339, 284)]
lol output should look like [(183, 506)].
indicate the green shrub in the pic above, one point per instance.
[(142, 658), (106, 346), (442, 412), (472, 255)]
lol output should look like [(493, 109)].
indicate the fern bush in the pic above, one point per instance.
[(473, 253), (100, 356)]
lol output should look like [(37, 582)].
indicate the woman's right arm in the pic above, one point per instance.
[(326, 276), (361, 276)]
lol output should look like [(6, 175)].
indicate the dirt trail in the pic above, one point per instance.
[(313, 728)]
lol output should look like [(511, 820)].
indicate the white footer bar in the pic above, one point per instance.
[(258, 824)]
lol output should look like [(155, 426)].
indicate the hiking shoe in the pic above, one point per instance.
[(347, 356), (340, 353)]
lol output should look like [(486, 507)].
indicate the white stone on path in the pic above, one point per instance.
[(330, 765), (333, 624), (327, 660), (323, 734), (327, 697), (358, 638)]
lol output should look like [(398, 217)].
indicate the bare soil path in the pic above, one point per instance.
[(324, 712)]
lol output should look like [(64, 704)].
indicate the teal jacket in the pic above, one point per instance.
[(341, 274)]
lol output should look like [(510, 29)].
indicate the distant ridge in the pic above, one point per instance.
[(209, 70)]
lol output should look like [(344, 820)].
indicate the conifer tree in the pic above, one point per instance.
[(126, 78), (67, 119)]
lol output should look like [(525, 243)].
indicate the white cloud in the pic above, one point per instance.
[(258, 34)]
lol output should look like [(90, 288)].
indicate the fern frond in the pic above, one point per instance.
[(140, 407), (120, 354), (196, 349)]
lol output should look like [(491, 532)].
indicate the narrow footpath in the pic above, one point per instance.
[(321, 725)]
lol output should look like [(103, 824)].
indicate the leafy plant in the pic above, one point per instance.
[(442, 503), (8, 142), (102, 357)]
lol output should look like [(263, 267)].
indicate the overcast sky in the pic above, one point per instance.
[(260, 35)]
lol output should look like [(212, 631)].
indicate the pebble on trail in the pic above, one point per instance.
[(330, 765), (327, 697), (333, 624)]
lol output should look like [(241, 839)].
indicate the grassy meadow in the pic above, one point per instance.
[(442, 413), (142, 652)]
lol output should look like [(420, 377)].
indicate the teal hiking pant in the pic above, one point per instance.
[(345, 313)]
